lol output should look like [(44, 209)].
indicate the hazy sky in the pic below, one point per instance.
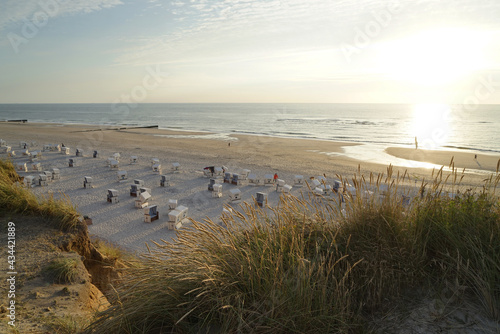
[(365, 51)]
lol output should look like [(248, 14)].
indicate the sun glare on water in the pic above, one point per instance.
[(431, 125)]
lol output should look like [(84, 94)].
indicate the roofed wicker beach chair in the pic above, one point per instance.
[(172, 204), (5, 149), (235, 195), (142, 201), (157, 168), (217, 190), (87, 182), (218, 172), (36, 166), (269, 180), (72, 162), (236, 179), (253, 180), (175, 167), (113, 163), (113, 196), (56, 174), (21, 167), (298, 181), (79, 152), (65, 150), (261, 199), (151, 213), (134, 159), (116, 156), (228, 177), (164, 180), (95, 154), (29, 181), (134, 190), (122, 175)]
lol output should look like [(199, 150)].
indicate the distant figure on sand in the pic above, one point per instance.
[(416, 143), (229, 144)]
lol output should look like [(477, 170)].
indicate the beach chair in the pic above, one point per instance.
[(11, 153), (23, 144), (228, 177), (144, 189), (5, 149), (157, 168), (35, 156), (151, 213), (21, 166), (56, 174), (122, 175), (139, 182), (72, 162), (217, 190), (315, 183), (113, 163), (235, 195), (174, 220), (327, 189), (42, 180), (261, 199), (279, 185), (36, 166), (95, 154), (236, 179), (218, 172), (116, 156), (321, 179), (337, 186), (46, 147), (133, 160), (269, 180), (318, 192), (155, 161), (56, 148), (142, 201), (172, 204), (298, 181), (113, 196), (134, 190), (48, 174), (208, 171), (253, 180), (29, 181), (3, 142), (183, 210), (244, 174), (87, 182), (65, 150), (175, 167), (164, 180), (286, 189)]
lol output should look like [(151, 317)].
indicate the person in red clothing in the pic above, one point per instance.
[(275, 177)]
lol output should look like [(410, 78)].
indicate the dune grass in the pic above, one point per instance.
[(314, 265), (16, 198)]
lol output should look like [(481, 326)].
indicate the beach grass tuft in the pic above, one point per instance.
[(317, 265), (14, 197)]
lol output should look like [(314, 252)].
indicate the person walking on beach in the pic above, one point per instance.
[(275, 177)]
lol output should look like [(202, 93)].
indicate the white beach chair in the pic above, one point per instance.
[(87, 182), (21, 167), (261, 199), (134, 190), (113, 163), (139, 182), (253, 180), (228, 177), (116, 156), (133, 160), (315, 183), (46, 147), (36, 166), (157, 168), (211, 184), (65, 150), (29, 181), (208, 171), (218, 172), (235, 195), (172, 204), (122, 175), (286, 189), (279, 185), (175, 167), (174, 220), (11, 153), (56, 174), (217, 190), (269, 180), (144, 189), (155, 161), (236, 179), (113, 196), (151, 213), (337, 186), (72, 162), (35, 156), (244, 174), (298, 181), (327, 189), (142, 201), (5, 149), (48, 174), (164, 180)]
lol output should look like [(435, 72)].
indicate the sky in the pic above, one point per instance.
[(282, 51)]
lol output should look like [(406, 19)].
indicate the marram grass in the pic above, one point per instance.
[(16, 198), (314, 265)]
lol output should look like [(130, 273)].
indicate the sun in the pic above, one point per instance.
[(431, 125), (433, 57)]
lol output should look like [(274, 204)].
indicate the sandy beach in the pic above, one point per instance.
[(123, 224)]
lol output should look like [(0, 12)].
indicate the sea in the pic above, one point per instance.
[(474, 128)]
